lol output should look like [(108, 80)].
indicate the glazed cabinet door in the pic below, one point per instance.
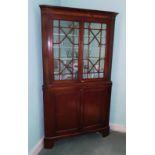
[(65, 47), (95, 107), (94, 50), (77, 50)]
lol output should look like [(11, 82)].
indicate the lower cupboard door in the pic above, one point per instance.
[(67, 103), (96, 104)]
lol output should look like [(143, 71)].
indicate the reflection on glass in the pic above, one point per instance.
[(65, 49), (94, 50)]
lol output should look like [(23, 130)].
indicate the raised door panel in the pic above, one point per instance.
[(67, 103), (96, 104)]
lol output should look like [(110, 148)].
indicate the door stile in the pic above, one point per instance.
[(81, 110), (80, 62)]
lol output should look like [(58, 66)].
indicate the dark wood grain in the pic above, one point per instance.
[(74, 107), (67, 108)]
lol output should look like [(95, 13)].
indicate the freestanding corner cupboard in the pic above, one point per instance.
[(77, 49)]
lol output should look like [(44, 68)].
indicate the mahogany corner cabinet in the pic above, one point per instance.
[(77, 47)]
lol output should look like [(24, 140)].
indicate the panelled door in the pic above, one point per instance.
[(95, 107), (67, 109)]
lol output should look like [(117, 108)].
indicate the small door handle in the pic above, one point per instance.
[(82, 81)]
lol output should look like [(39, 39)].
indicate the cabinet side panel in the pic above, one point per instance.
[(109, 52), (49, 113), (106, 106), (45, 55)]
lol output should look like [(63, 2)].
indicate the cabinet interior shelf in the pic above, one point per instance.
[(75, 47), (77, 58), (70, 27), (70, 35)]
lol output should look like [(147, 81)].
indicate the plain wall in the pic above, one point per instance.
[(35, 77), (118, 99)]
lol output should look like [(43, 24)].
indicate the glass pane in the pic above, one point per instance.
[(56, 66), (66, 77), (102, 51), (55, 23), (101, 75), (94, 50), (65, 49), (56, 76), (101, 65)]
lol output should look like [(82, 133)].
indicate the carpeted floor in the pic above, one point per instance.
[(90, 144)]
